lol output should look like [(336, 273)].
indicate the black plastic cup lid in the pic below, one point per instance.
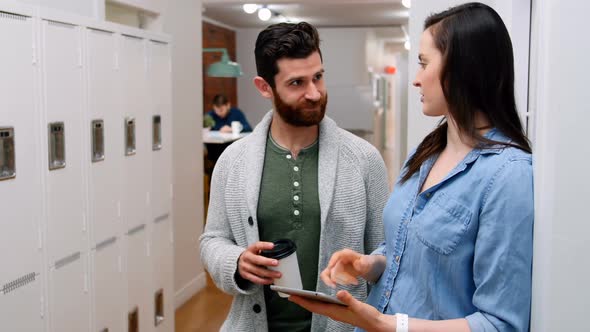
[(283, 248)]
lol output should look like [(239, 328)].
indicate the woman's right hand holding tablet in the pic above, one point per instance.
[(346, 266)]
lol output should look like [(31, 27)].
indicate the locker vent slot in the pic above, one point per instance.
[(156, 133), (159, 307), (161, 218), (67, 260), (7, 157), (133, 320), (10, 16), (60, 24), (18, 283), (159, 42), (131, 37), (101, 31), (136, 229), (105, 243)]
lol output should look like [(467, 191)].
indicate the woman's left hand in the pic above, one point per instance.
[(355, 313)]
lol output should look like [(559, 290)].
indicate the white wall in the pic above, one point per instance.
[(349, 93), (183, 23), (515, 14), (81, 7), (558, 88)]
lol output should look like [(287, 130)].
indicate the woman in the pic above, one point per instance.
[(458, 249)]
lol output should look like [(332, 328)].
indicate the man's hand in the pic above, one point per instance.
[(252, 266), (225, 129)]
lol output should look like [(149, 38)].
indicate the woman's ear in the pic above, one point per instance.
[(263, 87)]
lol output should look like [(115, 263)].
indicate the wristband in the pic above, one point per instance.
[(401, 322)]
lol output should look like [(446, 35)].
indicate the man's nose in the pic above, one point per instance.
[(312, 92)]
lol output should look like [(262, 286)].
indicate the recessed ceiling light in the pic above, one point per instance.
[(407, 44), (264, 14), (407, 3), (250, 7)]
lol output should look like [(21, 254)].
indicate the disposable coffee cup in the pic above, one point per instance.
[(236, 128), (285, 251)]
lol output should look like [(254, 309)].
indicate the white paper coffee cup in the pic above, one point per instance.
[(285, 251)]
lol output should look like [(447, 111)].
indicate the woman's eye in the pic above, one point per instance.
[(318, 77), (422, 64)]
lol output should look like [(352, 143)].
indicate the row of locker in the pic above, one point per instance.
[(85, 175)]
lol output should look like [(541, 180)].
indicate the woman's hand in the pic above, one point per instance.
[(355, 313), (346, 266)]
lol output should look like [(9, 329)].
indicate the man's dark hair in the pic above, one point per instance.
[(220, 100), (284, 40)]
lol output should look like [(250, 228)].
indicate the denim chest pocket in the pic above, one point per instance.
[(442, 223)]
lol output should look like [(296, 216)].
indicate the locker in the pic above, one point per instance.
[(162, 260), (136, 123), (63, 95), (138, 274), (110, 293), (160, 104), (20, 178), (69, 306), (103, 120)]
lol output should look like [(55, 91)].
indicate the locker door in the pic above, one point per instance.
[(138, 274), (159, 85), (136, 170), (20, 194), (64, 108), (162, 259), (110, 293), (63, 94), (106, 136), (68, 290), (106, 157)]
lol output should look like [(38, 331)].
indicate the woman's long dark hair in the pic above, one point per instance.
[(477, 75)]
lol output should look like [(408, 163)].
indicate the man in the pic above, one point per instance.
[(297, 176), (223, 115)]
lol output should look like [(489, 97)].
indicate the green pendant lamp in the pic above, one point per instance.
[(225, 67)]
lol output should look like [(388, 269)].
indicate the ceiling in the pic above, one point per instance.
[(320, 13)]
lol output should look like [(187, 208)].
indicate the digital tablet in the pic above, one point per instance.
[(314, 296)]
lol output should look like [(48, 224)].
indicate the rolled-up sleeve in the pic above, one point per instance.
[(502, 266)]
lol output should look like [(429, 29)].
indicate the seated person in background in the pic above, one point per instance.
[(224, 115)]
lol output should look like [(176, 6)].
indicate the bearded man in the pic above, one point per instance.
[(297, 176)]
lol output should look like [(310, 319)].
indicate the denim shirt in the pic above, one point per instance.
[(463, 248)]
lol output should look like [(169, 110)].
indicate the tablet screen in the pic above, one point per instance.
[(314, 296)]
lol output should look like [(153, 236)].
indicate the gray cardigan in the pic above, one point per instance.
[(352, 191)]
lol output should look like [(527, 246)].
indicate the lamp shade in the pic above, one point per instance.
[(225, 67)]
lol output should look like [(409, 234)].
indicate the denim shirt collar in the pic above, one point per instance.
[(472, 156)]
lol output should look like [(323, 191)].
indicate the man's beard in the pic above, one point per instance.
[(304, 114)]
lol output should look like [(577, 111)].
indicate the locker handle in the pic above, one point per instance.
[(129, 136), (57, 145), (97, 129), (7, 156)]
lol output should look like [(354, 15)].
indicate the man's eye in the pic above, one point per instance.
[(295, 83), (318, 77)]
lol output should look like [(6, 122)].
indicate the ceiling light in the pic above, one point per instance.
[(250, 7), (407, 44), (407, 3), (264, 14)]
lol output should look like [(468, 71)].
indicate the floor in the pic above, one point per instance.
[(204, 312)]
